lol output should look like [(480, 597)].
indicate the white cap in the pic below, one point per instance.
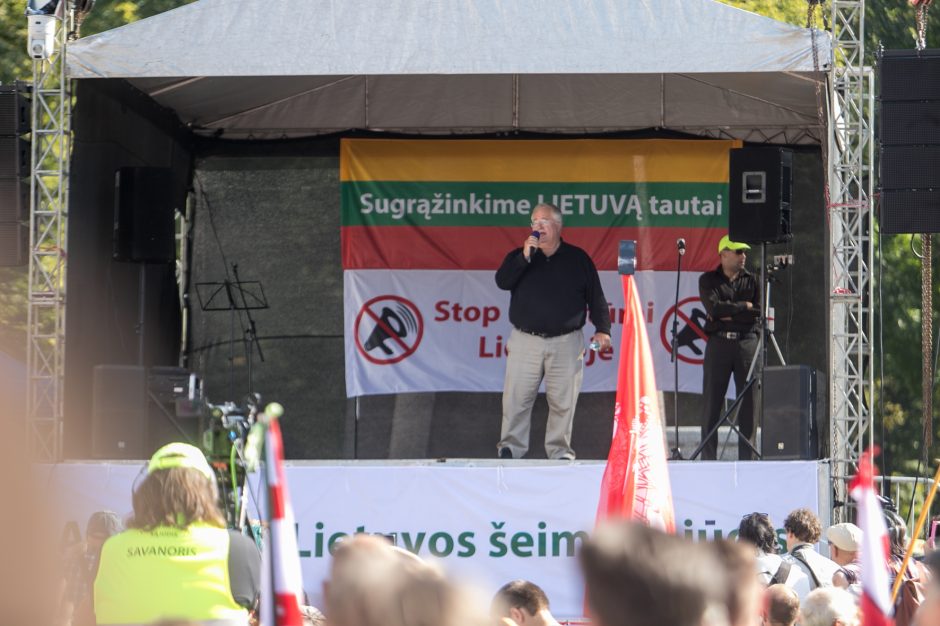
[(845, 536)]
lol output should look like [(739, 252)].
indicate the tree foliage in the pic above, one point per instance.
[(792, 11), (16, 65), (888, 22), (107, 14)]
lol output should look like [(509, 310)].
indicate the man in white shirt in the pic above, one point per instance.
[(803, 530)]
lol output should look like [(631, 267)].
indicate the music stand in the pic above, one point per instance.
[(233, 296)]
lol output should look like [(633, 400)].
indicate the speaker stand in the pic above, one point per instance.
[(676, 453), (141, 311)]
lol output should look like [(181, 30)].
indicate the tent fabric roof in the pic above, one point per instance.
[(261, 69)]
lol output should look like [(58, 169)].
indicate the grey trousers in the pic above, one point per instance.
[(560, 361)]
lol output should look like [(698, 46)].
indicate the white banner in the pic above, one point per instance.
[(403, 326), (487, 522)]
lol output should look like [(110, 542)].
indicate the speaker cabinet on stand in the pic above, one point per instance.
[(760, 184), (145, 203)]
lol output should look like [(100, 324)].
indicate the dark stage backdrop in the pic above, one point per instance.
[(114, 126), (273, 209)]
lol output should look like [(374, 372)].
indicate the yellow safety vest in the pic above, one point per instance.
[(147, 576)]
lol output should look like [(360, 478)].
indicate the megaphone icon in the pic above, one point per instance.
[(391, 320)]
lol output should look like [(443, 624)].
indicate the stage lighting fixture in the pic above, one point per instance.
[(41, 44), (41, 18)]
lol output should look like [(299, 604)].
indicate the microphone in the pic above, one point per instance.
[(532, 249), (680, 246)]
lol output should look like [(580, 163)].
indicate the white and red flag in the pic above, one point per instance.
[(281, 582), (877, 609), (636, 480)]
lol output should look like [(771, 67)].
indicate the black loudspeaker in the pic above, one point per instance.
[(144, 218), (794, 399), (14, 176), (908, 75), (760, 183), (14, 200), (909, 141), (119, 413), (14, 110), (135, 411), (14, 157), (14, 244), (910, 211)]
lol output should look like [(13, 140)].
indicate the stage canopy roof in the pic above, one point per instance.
[(291, 68)]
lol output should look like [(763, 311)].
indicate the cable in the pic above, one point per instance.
[(881, 359), (234, 476), (929, 382), (218, 241), (790, 307)]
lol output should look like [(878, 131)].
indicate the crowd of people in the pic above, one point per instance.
[(175, 560)]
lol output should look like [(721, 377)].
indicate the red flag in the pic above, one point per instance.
[(636, 480), (876, 595), (281, 583)]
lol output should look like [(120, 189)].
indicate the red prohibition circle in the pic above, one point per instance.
[(409, 350), (666, 320)]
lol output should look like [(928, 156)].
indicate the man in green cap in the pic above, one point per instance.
[(731, 298)]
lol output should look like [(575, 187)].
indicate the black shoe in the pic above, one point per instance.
[(505, 453)]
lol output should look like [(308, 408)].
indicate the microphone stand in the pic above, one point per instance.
[(676, 453)]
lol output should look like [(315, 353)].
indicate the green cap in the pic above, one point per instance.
[(727, 244), (180, 455)]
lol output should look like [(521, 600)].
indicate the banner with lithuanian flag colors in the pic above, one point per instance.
[(426, 223)]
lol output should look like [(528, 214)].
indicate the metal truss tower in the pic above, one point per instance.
[(850, 150), (51, 149)]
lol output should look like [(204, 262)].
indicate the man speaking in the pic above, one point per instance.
[(552, 283)]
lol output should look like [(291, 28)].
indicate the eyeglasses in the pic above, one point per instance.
[(542, 222), (755, 514)]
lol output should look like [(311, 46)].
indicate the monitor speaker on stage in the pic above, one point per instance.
[(119, 413), (794, 399), (136, 410), (145, 201), (760, 184), (908, 141)]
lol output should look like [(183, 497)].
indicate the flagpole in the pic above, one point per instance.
[(921, 519)]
